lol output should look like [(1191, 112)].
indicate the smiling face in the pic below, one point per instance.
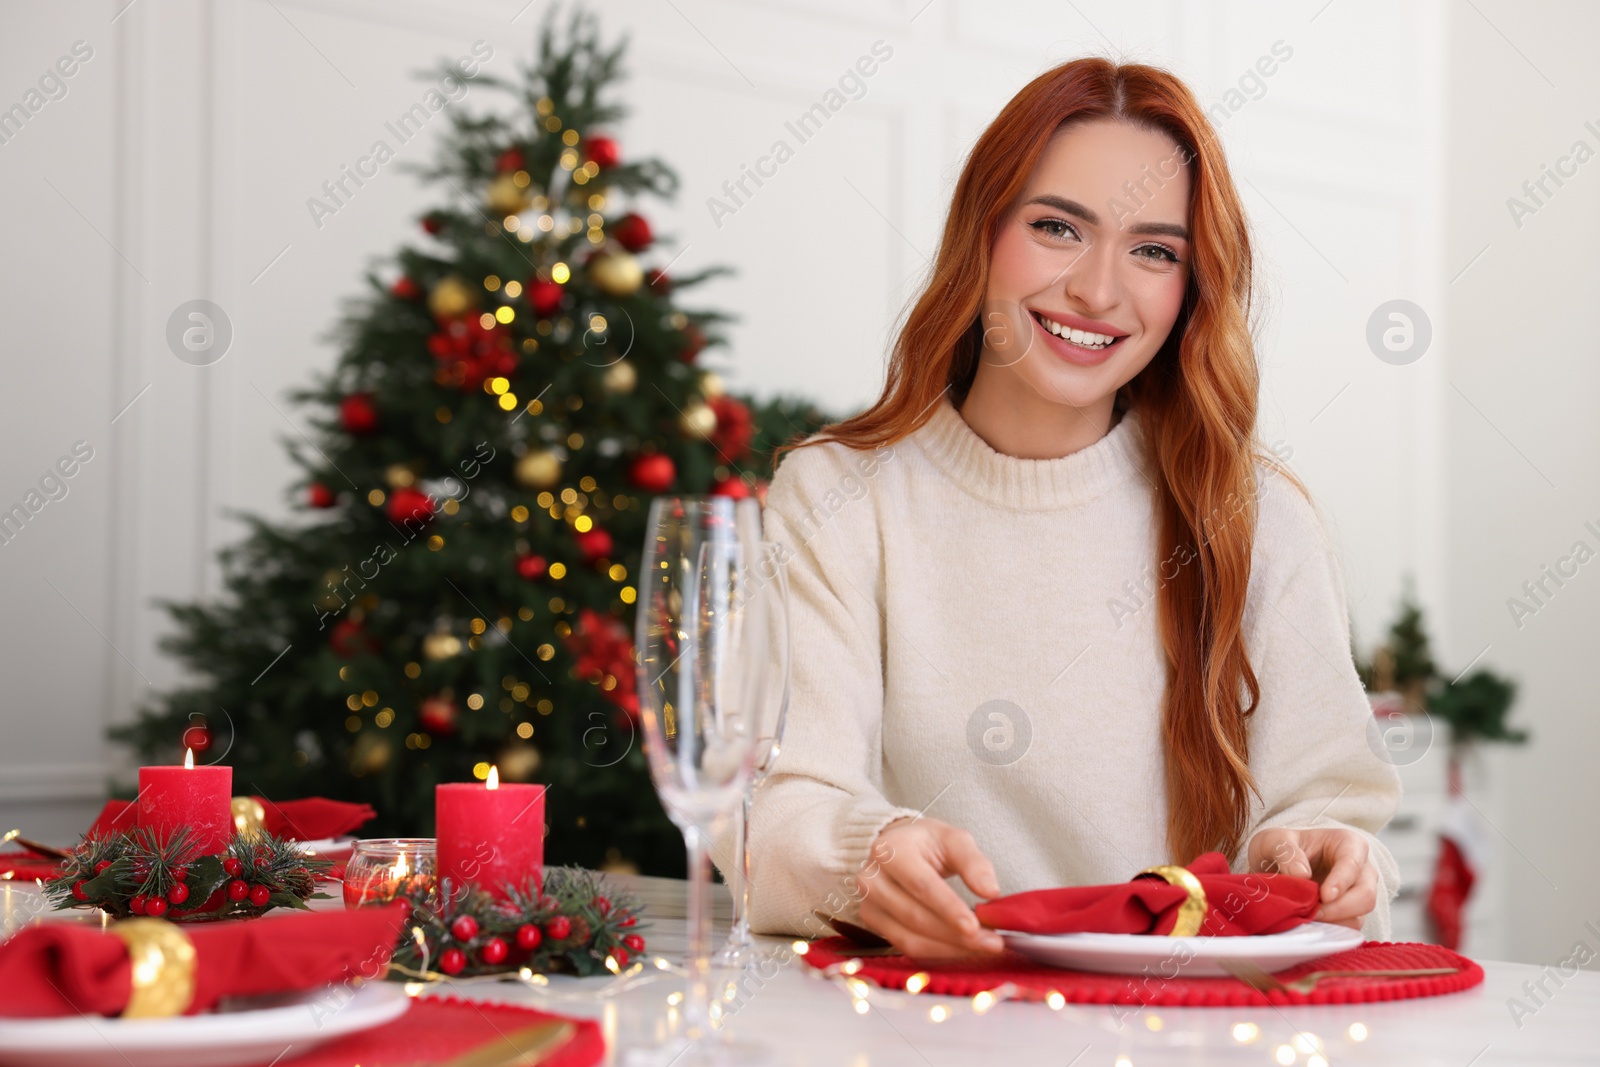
[(1088, 269)]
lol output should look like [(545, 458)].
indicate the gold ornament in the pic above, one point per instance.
[(505, 197), (399, 476), (711, 384), (249, 816), (441, 646), (451, 298), (620, 377), (698, 419), (539, 469), (161, 968), (616, 273), (517, 762)]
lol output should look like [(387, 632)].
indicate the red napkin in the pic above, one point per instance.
[(1239, 904), (311, 819), (61, 968)]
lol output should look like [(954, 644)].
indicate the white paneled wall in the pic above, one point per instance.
[(179, 164)]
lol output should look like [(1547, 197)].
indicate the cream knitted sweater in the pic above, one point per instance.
[(975, 638)]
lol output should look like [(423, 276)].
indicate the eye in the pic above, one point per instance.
[(1057, 228), (1157, 253)]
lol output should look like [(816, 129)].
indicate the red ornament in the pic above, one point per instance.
[(432, 223), (559, 928), (529, 937), (493, 952), (452, 961), (532, 567), (652, 472), (232, 866), (544, 296), (320, 496), (733, 487), (238, 890), (604, 151), (594, 543), (357, 414), (259, 895), (694, 342), (658, 281), (735, 428), (602, 645), (348, 638), (632, 232), (197, 738), (405, 288), (438, 715), (178, 893), (408, 505), (510, 159), (634, 942), (470, 352), (465, 928), (78, 891), (602, 905), (155, 907)]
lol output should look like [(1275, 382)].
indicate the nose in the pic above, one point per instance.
[(1091, 278)]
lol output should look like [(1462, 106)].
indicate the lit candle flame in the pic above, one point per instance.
[(188, 759), (493, 781), (401, 867)]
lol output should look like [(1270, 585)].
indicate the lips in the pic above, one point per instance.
[(1083, 353)]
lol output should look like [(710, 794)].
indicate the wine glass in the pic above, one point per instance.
[(704, 625), (740, 948)]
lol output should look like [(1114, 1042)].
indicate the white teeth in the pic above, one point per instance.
[(1082, 338)]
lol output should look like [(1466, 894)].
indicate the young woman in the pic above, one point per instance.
[(1057, 617)]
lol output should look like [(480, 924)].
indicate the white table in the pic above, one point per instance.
[(809, 1020)]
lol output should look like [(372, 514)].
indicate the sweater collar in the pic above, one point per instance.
[(1032, 484)]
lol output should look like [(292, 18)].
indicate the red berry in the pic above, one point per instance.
[(259, 895), (465, 928), (621, 956), (528, 937), (180, 874), (155, 907), (232, 866), (406, 288), (602, 905), (559, 928), (102, 865), (238, 890), (320, 496), (604, 151), (136, 905), (544, 297), (532, 567), (494, 951), (634, 942), (452, 961), (178, 893), (629, 921), (78, 891)]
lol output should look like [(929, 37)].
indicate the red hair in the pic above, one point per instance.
[(1197, 400)]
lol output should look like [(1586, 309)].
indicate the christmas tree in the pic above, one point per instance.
[(457, 591)]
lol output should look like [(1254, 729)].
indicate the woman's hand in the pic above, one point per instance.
[(907, 901), (1335, 857)]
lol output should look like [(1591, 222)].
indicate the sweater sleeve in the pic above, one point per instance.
[(1310, 739), (815, 817)]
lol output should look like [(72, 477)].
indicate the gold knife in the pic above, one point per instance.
[(529, 1046)]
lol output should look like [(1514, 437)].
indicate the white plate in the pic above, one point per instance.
[(221, 1039), (1160, 956)]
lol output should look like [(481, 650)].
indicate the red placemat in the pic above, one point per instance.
[(1035, 981), (25, 866), (438, 1029)]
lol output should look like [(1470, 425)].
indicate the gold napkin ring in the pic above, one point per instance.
[(1192, 912), (162, 971)]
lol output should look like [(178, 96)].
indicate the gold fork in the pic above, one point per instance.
[(1253, 976)]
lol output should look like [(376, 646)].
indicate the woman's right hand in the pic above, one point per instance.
[(906, 900)]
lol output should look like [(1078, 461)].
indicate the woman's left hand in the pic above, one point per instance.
[(1335, 857)]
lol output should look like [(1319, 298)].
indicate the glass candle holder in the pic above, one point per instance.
[(381, 869)]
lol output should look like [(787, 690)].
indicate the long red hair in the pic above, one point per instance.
[(1197, 399)]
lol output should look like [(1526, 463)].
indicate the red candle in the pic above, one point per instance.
[(489, 835), (197, 798)]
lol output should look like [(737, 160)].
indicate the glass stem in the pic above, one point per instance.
[(697, 998), (740, 936)]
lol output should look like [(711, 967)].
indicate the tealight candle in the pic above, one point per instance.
[(198, 799), (489, 835)]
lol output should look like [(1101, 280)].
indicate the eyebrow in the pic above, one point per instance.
[(1072, 207)]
